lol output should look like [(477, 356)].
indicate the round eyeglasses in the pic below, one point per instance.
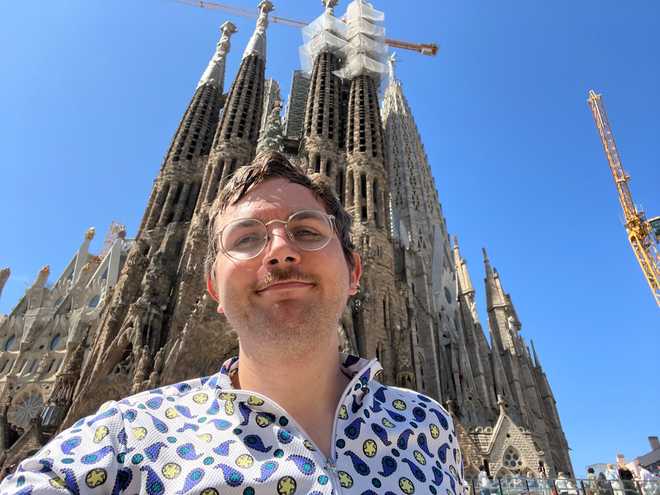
[(246, 238)]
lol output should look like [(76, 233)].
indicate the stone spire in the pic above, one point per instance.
[(537, 362), (421, 241), (42, 278), (215, 72), (174, 196), (257, 44), (463, 275), (497, 308), (193, 317), (4, 276), (83, 254), (272, 135), (476, 344), (495, 294)]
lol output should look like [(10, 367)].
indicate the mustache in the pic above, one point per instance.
[(290, 274)]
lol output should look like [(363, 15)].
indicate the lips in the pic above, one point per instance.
[(285, 285)]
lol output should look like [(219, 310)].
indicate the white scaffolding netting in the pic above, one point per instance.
[(358, 39), (325, 33), (365, 50), (364, 10)]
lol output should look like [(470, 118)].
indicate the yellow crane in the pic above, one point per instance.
[(643, 234), (423, 48)]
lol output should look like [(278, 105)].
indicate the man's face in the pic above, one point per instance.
[(283, 292)]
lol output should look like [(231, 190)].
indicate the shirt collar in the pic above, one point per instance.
[(351, 366)]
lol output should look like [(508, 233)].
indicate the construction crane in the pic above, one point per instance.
[(643, 234), (430, 49)]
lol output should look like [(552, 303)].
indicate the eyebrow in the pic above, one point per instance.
[(306, 212)]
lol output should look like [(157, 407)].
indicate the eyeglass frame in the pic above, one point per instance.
[(330, 218)]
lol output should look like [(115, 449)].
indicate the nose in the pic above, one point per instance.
[(280, 250)]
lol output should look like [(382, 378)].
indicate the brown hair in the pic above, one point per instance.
[(271, 165)]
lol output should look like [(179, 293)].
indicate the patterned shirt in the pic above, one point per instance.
[(202, 436)]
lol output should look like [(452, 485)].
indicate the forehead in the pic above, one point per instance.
[(274, 198)]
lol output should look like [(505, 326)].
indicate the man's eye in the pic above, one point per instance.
[(306, 234), (246, 241)]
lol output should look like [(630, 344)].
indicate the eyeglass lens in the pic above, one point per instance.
[(310, 230)]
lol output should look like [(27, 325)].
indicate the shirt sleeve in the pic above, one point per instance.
[(86, 458), (455, 460)]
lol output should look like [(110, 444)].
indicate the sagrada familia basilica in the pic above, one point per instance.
[(137, 316)]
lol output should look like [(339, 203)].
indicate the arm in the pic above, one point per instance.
[(77, 460)]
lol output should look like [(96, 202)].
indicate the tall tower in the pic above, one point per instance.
[(379, 321), (322, 127), (507, 345), (478, 350), (421, 241), (135, 324), (199, 338)]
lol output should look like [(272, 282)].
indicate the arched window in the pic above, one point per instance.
[(363, 195), (376, 195), (350, 194), (55, 342), (9, 343), (317, 164), (447, 295), (328, 168), (94, 301), (340, 186)]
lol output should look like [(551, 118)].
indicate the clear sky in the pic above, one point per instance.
[(91, 93)]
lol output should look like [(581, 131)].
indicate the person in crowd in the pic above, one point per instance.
[(612, 476), (627, 477), (604, 487), (483, 481), (649, 483), (591, 485)]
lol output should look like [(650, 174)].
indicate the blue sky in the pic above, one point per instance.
[(91, 93)]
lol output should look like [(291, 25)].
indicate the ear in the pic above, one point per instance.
[(212, 293), (355, 275)]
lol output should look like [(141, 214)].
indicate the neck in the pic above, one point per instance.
[(308, 385)]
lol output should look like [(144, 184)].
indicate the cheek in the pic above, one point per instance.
[(232, 278)]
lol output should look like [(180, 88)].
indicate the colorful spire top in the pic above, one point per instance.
[(215, 71), (330, 5), (257, 43), (42, 277)]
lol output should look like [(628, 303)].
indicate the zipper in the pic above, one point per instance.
[(331, 469), (317, 453), (329, 464)]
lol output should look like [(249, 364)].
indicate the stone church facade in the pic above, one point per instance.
[(154, 324)]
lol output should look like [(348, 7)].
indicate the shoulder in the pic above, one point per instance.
[(419, 407), (149, 400), (172, 393)]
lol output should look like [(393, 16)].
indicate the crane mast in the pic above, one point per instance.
[(641, 235)]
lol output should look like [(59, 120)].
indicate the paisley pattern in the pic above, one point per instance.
[(204, 437)]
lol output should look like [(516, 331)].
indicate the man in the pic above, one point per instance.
[(483, 481), (288, 416)]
